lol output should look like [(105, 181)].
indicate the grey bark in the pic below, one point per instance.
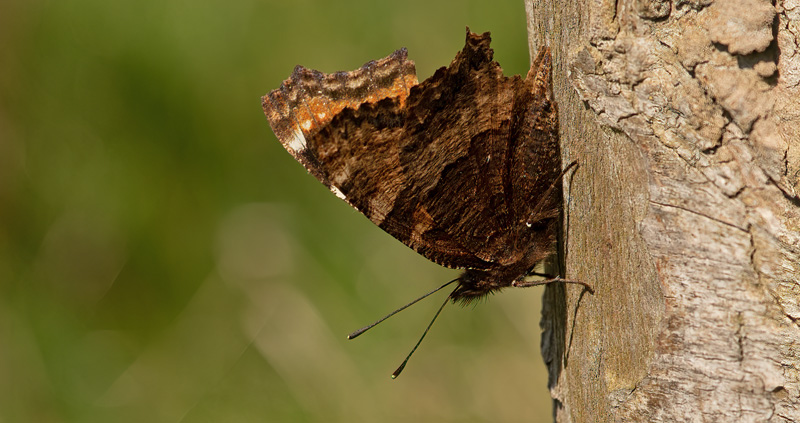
[(685, 119)]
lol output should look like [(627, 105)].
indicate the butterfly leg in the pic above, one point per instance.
[(525, 284)]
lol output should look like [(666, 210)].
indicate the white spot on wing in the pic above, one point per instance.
[(306, 125), (337, 192), (298, 141)]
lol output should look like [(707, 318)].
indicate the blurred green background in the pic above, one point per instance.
[(163, 259)]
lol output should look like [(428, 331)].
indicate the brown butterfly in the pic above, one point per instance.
[(464, 167)]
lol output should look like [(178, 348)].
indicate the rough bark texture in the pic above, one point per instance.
[(685, 119)]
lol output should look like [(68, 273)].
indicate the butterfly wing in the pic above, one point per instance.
[(448, 167)]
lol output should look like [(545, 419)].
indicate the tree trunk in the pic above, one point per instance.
[(683, 214)]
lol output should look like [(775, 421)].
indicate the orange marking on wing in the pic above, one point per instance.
[(319, 111)]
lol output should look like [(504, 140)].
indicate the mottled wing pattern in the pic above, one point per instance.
[(309, 100), (451, 167)]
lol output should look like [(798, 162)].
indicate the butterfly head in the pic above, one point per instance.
[(476, 284)]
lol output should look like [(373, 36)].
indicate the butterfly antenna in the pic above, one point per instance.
[(368, 327), (403, 366)]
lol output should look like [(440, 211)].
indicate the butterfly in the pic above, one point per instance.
[(464, 167)]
